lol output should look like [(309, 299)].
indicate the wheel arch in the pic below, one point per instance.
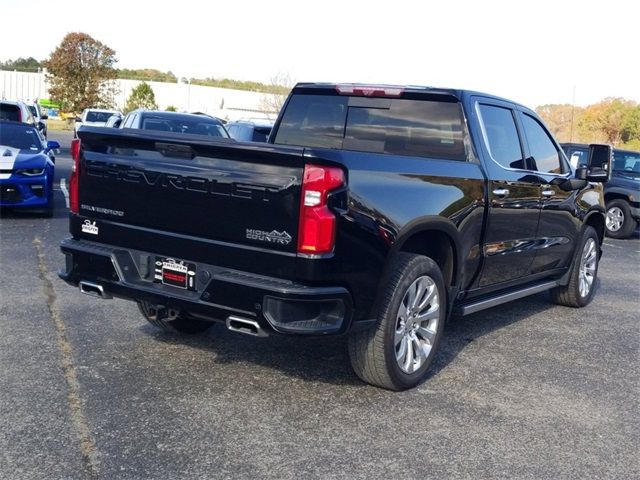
[(436, 238), (597, 221), (615, 194)]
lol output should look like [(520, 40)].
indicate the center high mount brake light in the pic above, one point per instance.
[(370, 90)]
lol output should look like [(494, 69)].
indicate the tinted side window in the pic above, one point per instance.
[(313, 121), (544, 154), (502, 136), (626, 161)]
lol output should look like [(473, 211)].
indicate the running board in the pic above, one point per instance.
[(476, 306)]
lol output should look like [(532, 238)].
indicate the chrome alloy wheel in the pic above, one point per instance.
[(416, 324), (615, 219), (588, 265)]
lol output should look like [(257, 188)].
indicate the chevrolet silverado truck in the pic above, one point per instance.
[(622, 191), (372, 211)]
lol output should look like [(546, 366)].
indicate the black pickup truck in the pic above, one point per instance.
[(373, 211)]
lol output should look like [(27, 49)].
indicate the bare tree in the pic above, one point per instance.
[(279, 87)]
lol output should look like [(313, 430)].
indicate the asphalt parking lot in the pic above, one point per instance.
[(89, 390)]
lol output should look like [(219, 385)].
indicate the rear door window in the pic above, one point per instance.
[(422, 128), (501, 136)]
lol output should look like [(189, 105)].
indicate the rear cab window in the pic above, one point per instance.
[(9, 112), (397, 126)]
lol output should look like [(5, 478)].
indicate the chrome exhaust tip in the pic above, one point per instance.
[(246, 326), (94, 290)]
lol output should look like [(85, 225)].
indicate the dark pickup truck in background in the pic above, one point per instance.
[(621, 192), (373, 211)]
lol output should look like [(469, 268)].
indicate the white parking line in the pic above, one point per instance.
[(65, 192)]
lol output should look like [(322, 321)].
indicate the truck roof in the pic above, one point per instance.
[(385, 90)]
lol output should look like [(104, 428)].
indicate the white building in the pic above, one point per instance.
[(220, 102)]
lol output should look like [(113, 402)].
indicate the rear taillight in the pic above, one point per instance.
[(74, 197), (317, 231)]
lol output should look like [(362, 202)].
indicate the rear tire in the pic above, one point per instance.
[(619, 223), (584, 273), (397, 352), (179, 324)]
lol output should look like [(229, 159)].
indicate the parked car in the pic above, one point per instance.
[(250, 130), (16, 111), (189, 123), (39, 117), (621, 193), (27, 165), (93, 117), (372, 211)]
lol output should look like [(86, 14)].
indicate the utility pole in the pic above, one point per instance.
[(573, 109)]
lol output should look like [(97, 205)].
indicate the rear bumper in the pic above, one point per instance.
[(278, 305)]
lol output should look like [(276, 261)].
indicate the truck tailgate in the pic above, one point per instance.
[(216, 191)]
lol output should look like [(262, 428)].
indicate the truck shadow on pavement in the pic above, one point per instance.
[(326, 359)]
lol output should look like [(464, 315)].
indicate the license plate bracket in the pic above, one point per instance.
[(175, 273)]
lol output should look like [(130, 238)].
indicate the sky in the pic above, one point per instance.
[(532, 52)]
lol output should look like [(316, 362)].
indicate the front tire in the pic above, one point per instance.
[(396, 354), (584, 272), (619, 223), (180, 323)]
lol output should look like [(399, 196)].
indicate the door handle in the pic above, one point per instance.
[(501, 192), (548, 193)]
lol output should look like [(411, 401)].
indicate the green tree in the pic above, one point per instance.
[(80, 73), (171, 108), (631, 127), (562, 121), (141, 97), (21, 65), (605, 121), (147, 74)]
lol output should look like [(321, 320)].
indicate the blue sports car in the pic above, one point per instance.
[(26, 168)]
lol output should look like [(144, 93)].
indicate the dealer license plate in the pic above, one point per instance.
[(176, 273)]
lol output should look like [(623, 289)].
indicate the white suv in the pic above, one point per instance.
[(16, 111), (39, 117), (94, 117)]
